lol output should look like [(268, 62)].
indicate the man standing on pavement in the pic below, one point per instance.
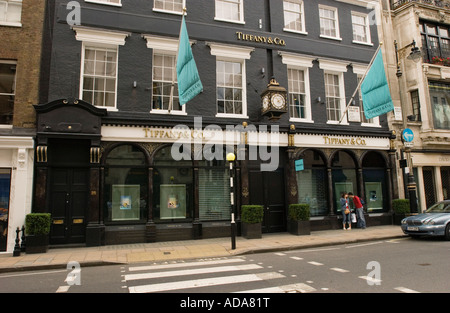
[(359, 210)]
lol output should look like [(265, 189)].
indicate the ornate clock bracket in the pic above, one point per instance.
[(274, 100)]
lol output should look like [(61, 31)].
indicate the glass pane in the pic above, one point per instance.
[(7, 78)]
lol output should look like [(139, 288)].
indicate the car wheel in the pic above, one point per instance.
[(447, 232)]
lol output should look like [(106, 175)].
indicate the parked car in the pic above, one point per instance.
[(433, 222)]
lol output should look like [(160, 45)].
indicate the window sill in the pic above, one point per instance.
[(225, 115), (104, 3), (295, 31), (300, 120), (173, 112), (229, 21), (11, 24), (332, 38), (363, 43), (167, 11)]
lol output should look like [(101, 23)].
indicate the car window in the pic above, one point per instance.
[(437, 208), (447, 209)]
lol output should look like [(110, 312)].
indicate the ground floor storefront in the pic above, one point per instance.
[(432, 176), (115, 184), (16, 179)]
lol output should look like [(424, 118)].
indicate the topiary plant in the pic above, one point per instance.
[(38, 223), (252, 214), (299, 212)]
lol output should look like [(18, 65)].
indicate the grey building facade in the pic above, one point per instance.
[(119, 160)]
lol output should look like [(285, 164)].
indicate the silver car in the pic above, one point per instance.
[(433, 222)]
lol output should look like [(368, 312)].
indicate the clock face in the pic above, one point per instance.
[(265, 102), (278, 101)]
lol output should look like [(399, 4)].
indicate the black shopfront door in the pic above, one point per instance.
[(68, 204), (268, 189)]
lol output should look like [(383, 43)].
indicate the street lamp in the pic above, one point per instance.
[(415, 55), (230, 158)]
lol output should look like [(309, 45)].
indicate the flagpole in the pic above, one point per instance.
[(175, 65), (360, 82)]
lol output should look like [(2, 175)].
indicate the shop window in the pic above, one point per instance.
[(429, 186), (173, 187), (312, 183), (445, 177), (126, 185), (343, 176), (5, 186), (374, 169), (214, 191)]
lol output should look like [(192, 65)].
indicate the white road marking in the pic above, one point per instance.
[(204, 282), (185, 264), (206, 270), (315, 263), (296, 258), (63, 289), (340, 270), (294, 288), (371, 279), (406, 290)]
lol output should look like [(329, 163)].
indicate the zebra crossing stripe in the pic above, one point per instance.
[(205, 270), (294, 288), (184, 264), (205, 282)]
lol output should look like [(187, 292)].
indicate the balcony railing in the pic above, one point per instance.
[(443, 4)]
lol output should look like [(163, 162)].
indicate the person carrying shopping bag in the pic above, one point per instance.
[(345, 209), (359, 210)]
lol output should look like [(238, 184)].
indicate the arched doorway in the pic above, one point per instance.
[(375, 186)]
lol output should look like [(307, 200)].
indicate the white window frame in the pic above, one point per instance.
[(97, 38), (220, 18), (13, 94), (336, 68), (4, 22), (366, 28), (336, 21), (165, 46), (302, 17), (233, 54), (302, 63), (105, 2), (360, 70), (155, 9)]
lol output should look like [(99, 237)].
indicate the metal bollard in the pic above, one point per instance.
[(24, 240), (17, 246)]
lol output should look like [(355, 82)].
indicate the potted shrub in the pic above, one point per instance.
[(251, 218), (401, 210), (298, 219), (37, 228)]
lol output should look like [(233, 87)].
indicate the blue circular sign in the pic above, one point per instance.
[(407, 135)]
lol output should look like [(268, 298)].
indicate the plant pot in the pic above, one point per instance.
[(251, 231), (299, 228), (36, 244)]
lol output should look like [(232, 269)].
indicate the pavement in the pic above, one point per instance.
[(191, 249)]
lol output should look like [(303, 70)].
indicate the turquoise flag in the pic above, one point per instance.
[(189, 83), (375, 92)]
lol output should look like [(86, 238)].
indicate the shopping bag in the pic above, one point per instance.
[(353, 217)]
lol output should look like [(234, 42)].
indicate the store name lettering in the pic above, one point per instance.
[(175, 134), (260, 39), (344, 141)]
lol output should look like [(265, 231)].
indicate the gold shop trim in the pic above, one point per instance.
[(58, 222), (352, 141), (260, 39), (78, 221)]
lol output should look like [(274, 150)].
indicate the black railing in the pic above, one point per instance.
[(444, 4)]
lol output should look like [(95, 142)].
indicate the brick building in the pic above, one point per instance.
[(21, 26)]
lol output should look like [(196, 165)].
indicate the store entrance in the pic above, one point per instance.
[(267, 189)]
